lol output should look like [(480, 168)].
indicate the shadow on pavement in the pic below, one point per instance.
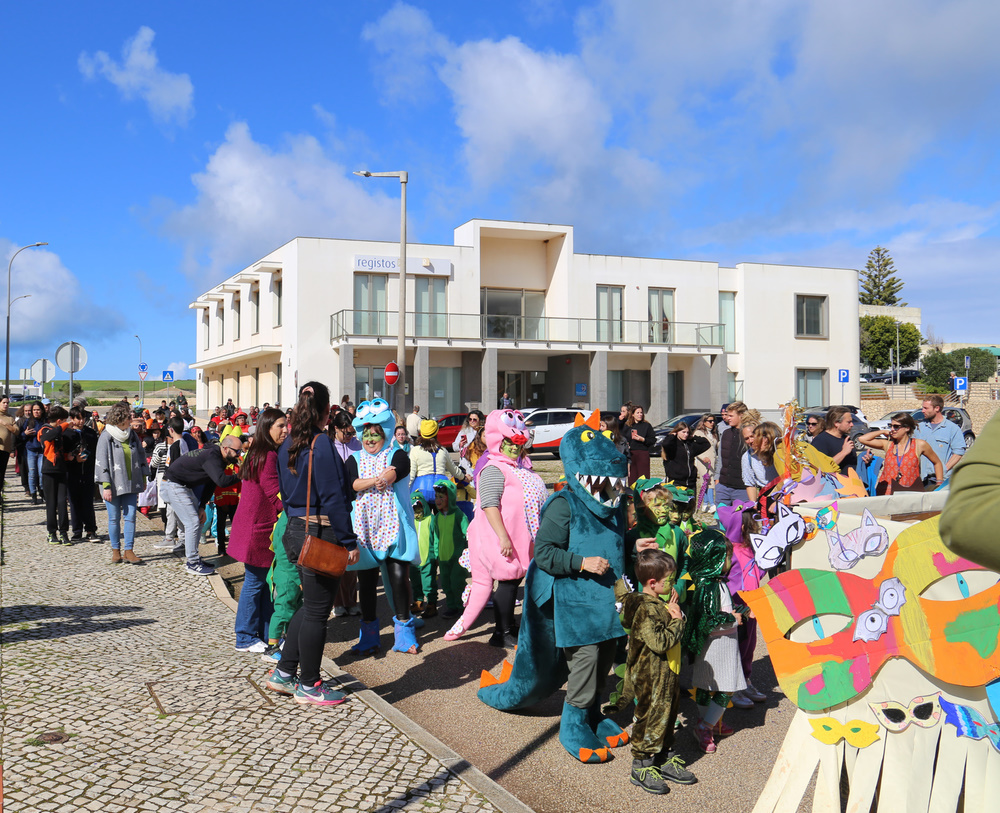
[(67, 620)]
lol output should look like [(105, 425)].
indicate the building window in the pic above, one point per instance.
[(810, 387), (512, 314), (255, 309), (810, 317), (237, 398), (661, 314), (727, 317), (278, 285), (256, 385), (371, 316), (220, 313), (430, 311), (277, 384), (236, 318), (609, 313), (205, 331)]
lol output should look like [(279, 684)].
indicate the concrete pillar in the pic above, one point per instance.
[(718, 386), (489, 392), (345, 373), (598, 388), (472, 382), (659, 381), (422, 379)]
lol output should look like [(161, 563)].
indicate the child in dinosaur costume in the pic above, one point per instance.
[(450, 528), (423, 574), (509, 499), (569, 624), (653, 503)]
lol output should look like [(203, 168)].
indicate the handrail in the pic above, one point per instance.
[(547, 329)]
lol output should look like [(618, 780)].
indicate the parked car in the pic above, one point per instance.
[(859, 427), (905, 377), (547, 427), (954, 414), (690, 418), (449, 427), (855, 411)]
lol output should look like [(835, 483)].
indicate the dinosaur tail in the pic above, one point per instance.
[(539, 667)]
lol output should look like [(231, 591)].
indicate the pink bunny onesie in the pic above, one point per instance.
[(524, 493)]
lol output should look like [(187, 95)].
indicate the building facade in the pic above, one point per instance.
[(511, 306)]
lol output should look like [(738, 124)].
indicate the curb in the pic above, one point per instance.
[(497, 796)]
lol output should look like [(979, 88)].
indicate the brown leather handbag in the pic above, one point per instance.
[(322, 556)]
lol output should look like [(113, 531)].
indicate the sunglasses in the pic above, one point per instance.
[(709, 420), (812, 423), (895, 426)]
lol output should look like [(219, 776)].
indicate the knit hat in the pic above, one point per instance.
[(428, 429)]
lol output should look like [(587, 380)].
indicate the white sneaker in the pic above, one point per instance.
[(741, 701), (163, 544), (754, 693), (257, 648)]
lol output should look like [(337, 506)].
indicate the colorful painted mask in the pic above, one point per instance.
[(887, 617)]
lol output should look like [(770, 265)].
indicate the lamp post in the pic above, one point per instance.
[(142, 400), (6, 374), (899, 361), (401, 333)]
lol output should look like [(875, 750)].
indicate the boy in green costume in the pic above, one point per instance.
[(423, 577), (450, 526), (654, 511)]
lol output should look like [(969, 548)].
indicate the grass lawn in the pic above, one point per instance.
[(89, 385)]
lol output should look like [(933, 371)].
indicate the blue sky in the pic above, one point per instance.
[(160, 147)]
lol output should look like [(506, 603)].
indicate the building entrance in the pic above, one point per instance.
[(526, 389)]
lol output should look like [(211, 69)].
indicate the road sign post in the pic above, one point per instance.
[(71, 358), (844, 377), (168, 377), (391, 375)]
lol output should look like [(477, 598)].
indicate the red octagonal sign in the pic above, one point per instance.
[(391, 373)]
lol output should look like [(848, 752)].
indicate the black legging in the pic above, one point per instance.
[(56, 515), (504, 599), (306, 634), (224, 513), (399, 584), (22, 461)]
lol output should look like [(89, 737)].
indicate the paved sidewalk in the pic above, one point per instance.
[(136, 665)]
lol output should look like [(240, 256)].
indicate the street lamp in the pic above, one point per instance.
[(6, 374), (401, 333), (141, 382), (899, 361)]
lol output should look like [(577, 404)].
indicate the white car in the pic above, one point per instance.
[(548, 427)]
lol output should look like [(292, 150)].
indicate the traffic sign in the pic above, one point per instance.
[(71, 357), (37, 384), (142, 375), (43, 370), (391, 373), (168, 376), (968, 362), (961, 383), (843, 376), (143, 368)]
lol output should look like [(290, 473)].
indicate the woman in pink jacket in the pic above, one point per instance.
[(250, 535), (509, 499)]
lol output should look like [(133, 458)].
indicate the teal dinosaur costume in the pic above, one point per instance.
[(569, 623)]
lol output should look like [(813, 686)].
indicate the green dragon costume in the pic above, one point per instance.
[(569, 623)]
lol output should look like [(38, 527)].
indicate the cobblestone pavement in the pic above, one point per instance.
[(136, 665)]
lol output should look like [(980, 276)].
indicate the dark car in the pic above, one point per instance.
[(905, 377)]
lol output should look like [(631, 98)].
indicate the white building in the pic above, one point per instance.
[(512, 306)]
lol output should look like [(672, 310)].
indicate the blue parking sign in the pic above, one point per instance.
[(168, 376), (843, 376), (961, 384)]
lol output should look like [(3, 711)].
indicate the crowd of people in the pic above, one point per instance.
[(382, 487)]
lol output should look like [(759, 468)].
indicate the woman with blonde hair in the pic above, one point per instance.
[(758, 460)]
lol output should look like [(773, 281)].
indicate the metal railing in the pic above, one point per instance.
[(499, 327)]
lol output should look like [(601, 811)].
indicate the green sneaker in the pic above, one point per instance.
[(319, 695), (53, 539), (282, 685)]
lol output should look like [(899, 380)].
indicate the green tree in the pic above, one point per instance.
[(879, 283), (878, 335), (64, 389), (938, 366)]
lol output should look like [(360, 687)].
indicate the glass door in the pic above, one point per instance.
[(661, 314), (609, 313), (370, 317)]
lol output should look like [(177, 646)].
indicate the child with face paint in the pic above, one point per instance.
[(451, 528), (382, 516), (654, 530), (423, 574), (509, 499)]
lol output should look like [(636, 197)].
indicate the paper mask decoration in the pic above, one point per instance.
[(857, 733), (850, 485), (871, 539), (970, 723), (873, 623), (922, 711), (826, 518), (769, 549)]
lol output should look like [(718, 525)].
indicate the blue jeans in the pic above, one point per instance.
[(253, 613), (35, 471), (121, 517), (724, 495)]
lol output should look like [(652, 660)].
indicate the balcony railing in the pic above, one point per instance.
[(547, 329)]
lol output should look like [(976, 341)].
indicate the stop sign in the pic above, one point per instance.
[(391, 373)]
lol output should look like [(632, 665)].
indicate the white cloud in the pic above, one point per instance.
[(139, 75), (408, 46), (179, 369), (252, 198), (57, 308)]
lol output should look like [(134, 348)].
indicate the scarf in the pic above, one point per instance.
[(121, 435), (706, 562)]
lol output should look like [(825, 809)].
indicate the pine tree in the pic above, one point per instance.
[(879, 283)]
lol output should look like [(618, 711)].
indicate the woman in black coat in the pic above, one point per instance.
[(640, 437), (679, 450)]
